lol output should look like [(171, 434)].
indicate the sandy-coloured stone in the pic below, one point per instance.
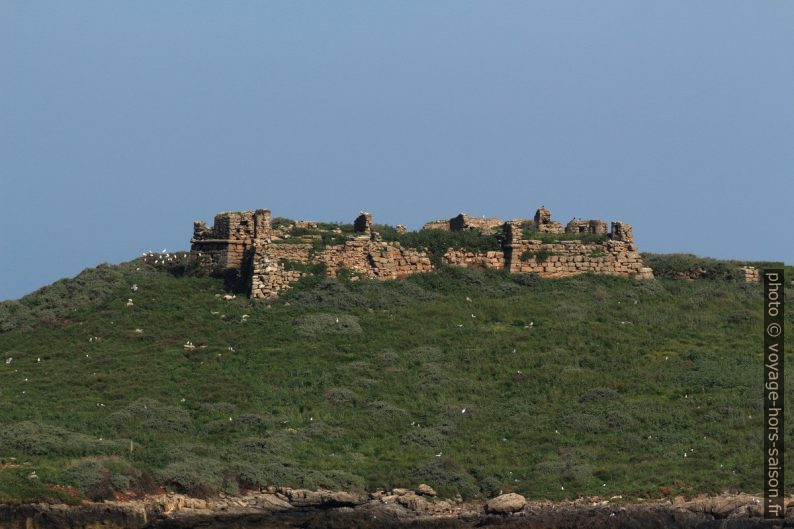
[(426, 490), (506, 503)]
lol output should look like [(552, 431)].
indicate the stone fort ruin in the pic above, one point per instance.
[(268, 255)]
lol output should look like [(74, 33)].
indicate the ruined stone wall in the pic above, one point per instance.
[(298, 252), (390, 261), (230, 241), (622, 232), (271, 260), (483, 224), (373, 259), (463, 221), (352, 255), (270, 274), (544, 223), (464, 258), (269, 277), (751, 274), (572, 257), (565, 258), (367, 258), (441, 224), (594, 227)]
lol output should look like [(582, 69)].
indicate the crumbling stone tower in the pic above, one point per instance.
[(230, 241), (544, 224), (363, 223)]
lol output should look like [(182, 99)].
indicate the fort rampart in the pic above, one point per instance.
[(271, 254)]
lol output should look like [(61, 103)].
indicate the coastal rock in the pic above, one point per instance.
[(426, 490), (271, 502), (739, 506), (321, 498), (326, 509), (506, 503), (415, 503)]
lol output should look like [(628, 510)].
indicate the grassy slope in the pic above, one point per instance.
[(631, 374)]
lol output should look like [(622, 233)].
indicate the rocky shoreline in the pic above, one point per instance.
[(398, 508)]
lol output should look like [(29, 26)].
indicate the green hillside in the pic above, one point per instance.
[(586, 385)]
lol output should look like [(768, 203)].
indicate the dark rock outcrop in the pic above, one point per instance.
[(398, 508)]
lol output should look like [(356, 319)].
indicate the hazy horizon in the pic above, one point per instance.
[(122, 123)]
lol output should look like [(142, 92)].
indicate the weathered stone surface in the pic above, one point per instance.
[(622, 232), (544, 222), (751, 274), (506, 503), (593, 226), (426, 490), (465, 222), (321, 498), (363, 223)]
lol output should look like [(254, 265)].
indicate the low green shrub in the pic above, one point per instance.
[(99, 479), (279, 222), (18, 487), (58, 302), (554, 466), (344, 227), (198, 477), (424, 437), (526, 280), (425, 353), (307, 268), (578, 473), (385, 412), (584, 423), (448, 477), (310, 325), (318, 292), (599, 394), (342, 480), (630, 373), (146, 414), (33, 438), (541, 256), (669, 266), (387, 358), (437, 242), (340, 396)]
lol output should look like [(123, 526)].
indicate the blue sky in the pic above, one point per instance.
[(122, 122)]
